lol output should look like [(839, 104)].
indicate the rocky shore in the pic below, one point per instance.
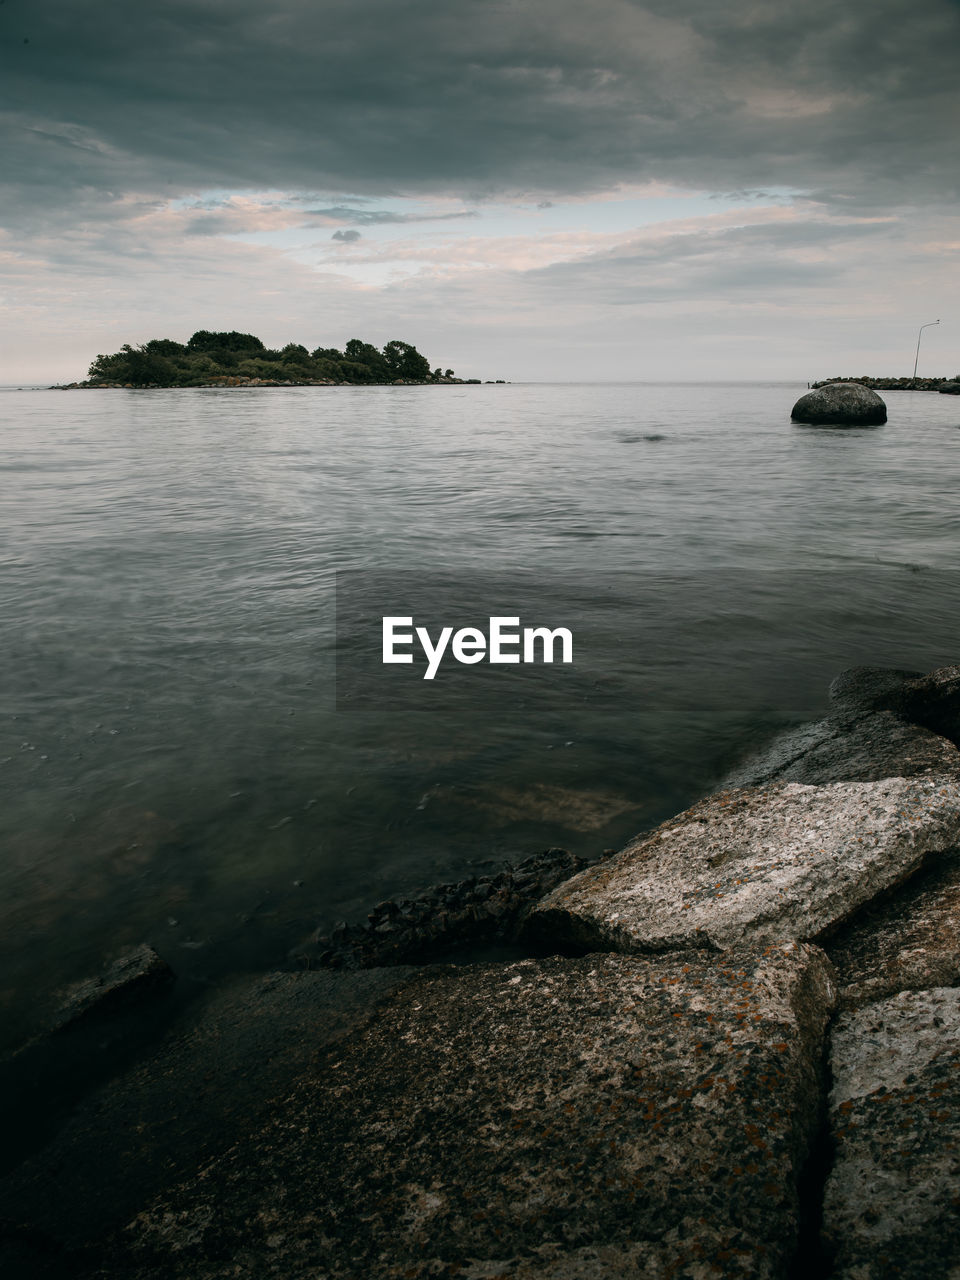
[(227, 381), (730, 1049)]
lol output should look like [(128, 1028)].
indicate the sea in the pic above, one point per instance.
[(200, 746)]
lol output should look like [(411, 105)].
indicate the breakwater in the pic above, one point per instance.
[(946, 386)]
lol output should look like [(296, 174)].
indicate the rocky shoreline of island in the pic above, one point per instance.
[(731, 1048), (227, 381)]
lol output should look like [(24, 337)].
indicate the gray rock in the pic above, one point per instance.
[(950, 389), (890, 1207), (875, 746), (478, 914), (845, 404), (934, 701), (758, 864), (859, 690), (210, 1082), (139, 972), (612, 1116), (907, 940), (931, 700)]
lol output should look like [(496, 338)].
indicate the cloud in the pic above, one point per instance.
[(387, 217), (173, 165), (482, 96)]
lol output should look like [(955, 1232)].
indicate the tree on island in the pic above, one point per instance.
[(241, 357)]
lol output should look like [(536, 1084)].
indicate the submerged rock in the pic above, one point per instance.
[(890, 1207), (844, 404), (139, 972), (608, 1116), (758, 864)]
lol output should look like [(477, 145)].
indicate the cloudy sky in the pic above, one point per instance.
[(525, 189)]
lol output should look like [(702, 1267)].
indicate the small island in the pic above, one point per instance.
[(241, 360)]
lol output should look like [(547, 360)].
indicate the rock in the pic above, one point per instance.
[(137, 973), (950, 389), (575, 810), (876, 730), (549, 1120), (890, 1207), (204, 1087), (934, 701), (860, 690), (907, 940), (479, 912), (757, 864), (844, 404), (878, 745), (931, 700)]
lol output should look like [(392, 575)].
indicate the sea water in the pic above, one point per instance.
[(193, 754)]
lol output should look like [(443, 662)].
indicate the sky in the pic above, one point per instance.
[(534, 190)]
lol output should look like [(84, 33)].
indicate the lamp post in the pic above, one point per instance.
[(919, 336)]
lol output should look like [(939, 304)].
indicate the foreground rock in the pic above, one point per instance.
[(611, 1116), (844, 404), (931, 700), (890, 1208), (479, 913), (934, 701), (205, 1088), (905, 941), (137, 973), (547, 1120), (843, 749), (759, 864)]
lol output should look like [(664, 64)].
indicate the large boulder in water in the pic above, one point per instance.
[(841, 404)]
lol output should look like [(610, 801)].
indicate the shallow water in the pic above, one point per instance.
[(177, 768)]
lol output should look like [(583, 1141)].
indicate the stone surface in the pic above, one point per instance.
[(874, 746), (907, 940), (612, 1116), (137, 973), (476, 914), (931, 700), (934, 701), (758, 864), (859, 690), (847, 404), (211, 1081), (892, 1198)]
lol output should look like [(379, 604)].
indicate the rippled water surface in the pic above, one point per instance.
[(176, 770)]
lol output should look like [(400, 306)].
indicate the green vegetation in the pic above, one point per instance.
[(240, 359)]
